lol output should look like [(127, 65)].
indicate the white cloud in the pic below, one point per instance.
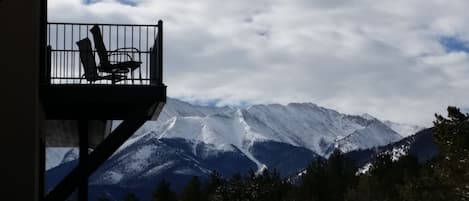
[(357, 56)]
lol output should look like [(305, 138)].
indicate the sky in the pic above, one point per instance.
[(400, 60)]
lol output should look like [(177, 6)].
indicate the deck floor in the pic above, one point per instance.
[(91, 101)]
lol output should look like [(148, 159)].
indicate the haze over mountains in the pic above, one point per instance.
[(195, 140)]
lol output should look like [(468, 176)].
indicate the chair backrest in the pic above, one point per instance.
[(99, 45), (87, 59)]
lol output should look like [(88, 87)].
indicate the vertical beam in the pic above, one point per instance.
[(44, 69), (42, 39), (19, 147), (83, 160), (42, 166), (102, 152), (160, 52)]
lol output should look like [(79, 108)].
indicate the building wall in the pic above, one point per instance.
[(19, 64)]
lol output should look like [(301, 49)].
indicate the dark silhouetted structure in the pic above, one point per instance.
[(52, 103), (83, 98), (23, 48)]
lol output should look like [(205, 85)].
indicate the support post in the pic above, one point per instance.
[(83, 159), (102, 152)]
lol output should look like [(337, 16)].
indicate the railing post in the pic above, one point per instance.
[(153, 65), (156, 57), (160, 51), (83, 159), (46, 68)]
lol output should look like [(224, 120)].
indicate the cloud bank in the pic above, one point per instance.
[(401, 60)]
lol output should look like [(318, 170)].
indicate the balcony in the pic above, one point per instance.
[(102, 71)]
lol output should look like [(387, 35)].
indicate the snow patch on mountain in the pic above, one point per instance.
[(59, 155), (368, 116), (364, 169), (404, 130), (367, 137)]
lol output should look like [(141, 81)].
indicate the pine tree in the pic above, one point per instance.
[(452, 138), (328, 180), (311, 187), (447, 176), (384, 179), (130, 197), (192, 191), (215, 187), (425, 186), (362, 191), (271, 186), (236, 189), (163, 192), (340, 175)]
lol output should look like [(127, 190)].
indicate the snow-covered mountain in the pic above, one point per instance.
[(419, 145), (59, 155), (195, 140), (299, 124), (405, 130)]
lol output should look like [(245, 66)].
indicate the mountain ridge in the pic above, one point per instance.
[(189, 140), (176, 111)]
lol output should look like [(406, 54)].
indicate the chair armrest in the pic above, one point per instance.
[(125, 51), (127, 48)]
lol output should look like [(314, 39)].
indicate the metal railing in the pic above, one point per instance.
[(63, 64)]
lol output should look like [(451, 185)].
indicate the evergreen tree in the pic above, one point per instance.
[(130, 197), (103, 197), (452, 138), (163, 192), (447, 176), (385, 179), (215, 187), (311, 187), (340, 176), (236, 190), (272, 187), (192, 191), (425, 186), (328, 180), (362, 191)]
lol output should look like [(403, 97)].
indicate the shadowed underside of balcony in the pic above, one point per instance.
[(73, 101)]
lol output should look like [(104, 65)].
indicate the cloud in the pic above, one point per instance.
[(386, 58)]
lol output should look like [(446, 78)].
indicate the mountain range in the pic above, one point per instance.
[(189, 140)]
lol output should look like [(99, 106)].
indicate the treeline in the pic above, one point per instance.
[(446, 177)]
